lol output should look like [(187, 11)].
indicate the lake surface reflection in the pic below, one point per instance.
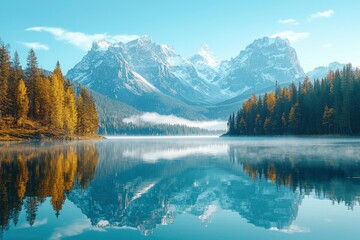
[(181, 188)]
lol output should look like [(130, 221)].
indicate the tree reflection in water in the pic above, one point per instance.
[(144, 184), (30, 173)]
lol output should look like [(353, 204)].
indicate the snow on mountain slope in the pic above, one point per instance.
[(322, 71), (263, 63), (167, 70), (154, 77), (107, 72), (147, 66), (205, 64)]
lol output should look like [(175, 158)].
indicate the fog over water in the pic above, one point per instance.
[(155, 118)]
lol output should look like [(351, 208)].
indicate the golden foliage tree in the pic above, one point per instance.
[(28, 177), (22, 101), (48, 101), (43, 99), (57, 99), (70, 112)]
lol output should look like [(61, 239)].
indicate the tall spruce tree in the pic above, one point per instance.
[(16, 75), (4, 76), (87, 122), (32, 73)]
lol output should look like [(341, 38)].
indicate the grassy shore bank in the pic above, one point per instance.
[(32, 130)]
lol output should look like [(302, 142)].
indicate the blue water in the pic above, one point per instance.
[(181, 188)]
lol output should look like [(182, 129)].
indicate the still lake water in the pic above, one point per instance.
[(181, 188)]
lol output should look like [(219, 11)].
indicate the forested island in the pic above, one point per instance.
[(328, 106), (36, 104)]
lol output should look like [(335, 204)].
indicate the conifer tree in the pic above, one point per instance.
[(57, 99), (330, 106), (87, 122), (16, 75), (47, 101), (22, 105), (94, 117), (80, 123), (43, 104), (70, 114), (31, 72), (4, 76), (328, 120)]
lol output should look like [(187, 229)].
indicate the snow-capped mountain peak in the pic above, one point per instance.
[(167, 49), (267, 41), (263, 63), (101, 45), (205, 63), (208, 56), (127, 71), (322, 71)]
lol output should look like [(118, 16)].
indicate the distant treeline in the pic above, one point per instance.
[(39, 100), (327, 106), (153, 129)]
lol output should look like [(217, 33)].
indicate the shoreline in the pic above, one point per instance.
[(114, 137), (8, 137), (296, 136)]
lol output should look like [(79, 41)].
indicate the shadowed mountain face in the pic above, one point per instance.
[(144, 184), (155, 78)]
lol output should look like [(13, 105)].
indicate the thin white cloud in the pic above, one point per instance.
[(327, 13), (291, 229), (75, 228), (155, 118), (35, 45), (291, 36), (37, 223), (289, 21), (80, 39), (327, 45)]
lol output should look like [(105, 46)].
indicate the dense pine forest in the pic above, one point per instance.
[(326, 106), (36, 104), (121, 128)]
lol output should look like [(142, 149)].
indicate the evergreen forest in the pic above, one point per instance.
[(325, 106)]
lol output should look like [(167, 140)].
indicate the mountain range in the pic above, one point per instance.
[(153, 77)]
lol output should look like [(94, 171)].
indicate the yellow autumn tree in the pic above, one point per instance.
[(22, 103), (70, 112), (57, 99), (43, 103)]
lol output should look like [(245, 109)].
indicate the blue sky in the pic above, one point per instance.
[(321, 31)]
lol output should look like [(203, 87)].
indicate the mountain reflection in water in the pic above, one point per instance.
[(142, 184)]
